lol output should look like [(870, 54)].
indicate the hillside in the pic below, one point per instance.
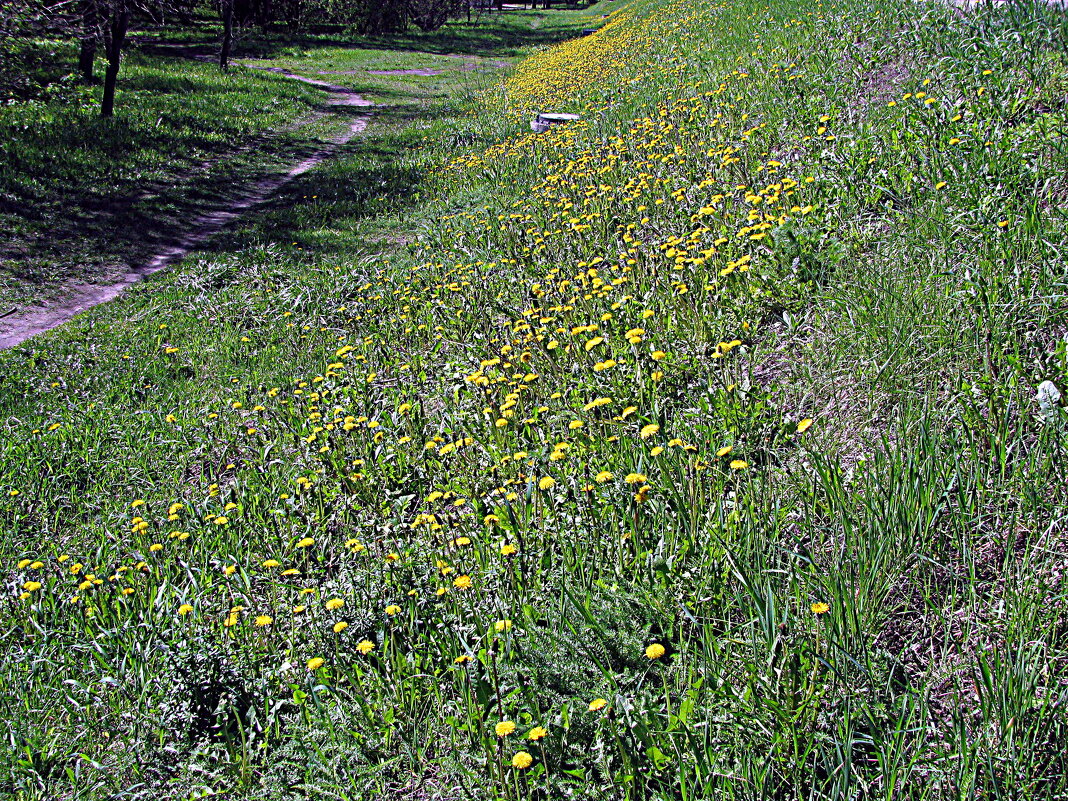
[(708, 446)]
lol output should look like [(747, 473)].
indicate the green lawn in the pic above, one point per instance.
[(696, 449)]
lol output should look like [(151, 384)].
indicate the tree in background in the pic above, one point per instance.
[(429, 15), (90, 35), (116, 16), (381, 16), (226, 10)]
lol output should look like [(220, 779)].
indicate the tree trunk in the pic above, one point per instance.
[(228, 34), (120, 21), (86, 57), (87, 51)]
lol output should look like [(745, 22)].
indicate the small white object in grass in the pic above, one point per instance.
[(1049, 399), (542, 121)]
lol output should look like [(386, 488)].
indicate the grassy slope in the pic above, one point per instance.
[(581, 374)]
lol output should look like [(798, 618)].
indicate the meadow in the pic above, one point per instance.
[(711, 446)]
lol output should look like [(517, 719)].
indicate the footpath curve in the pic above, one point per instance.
[(21, 324)]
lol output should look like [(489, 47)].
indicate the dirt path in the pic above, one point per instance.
[(24, 323)]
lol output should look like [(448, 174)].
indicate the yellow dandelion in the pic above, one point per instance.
[(522, 760)]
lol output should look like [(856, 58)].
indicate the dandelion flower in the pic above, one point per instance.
[(502, 626), (546, 483), (649, 430), (820, 608), (306, 542), (804, 425), (522, 760), (462, 582), (316, 663), (739, 464), (185, 609), (392, 609), (334, 603), (598, 703), (504, 728), (365, 647), (340, 626), (537, 733), (655, 651)]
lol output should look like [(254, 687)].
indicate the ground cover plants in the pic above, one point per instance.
[(709, 446)]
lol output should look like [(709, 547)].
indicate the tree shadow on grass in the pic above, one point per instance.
[(320, 211), (102, 237)]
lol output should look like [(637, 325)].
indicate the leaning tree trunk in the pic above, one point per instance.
[(116, 33), (228, 34)]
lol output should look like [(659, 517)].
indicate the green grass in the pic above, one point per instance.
[(807, 542)]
